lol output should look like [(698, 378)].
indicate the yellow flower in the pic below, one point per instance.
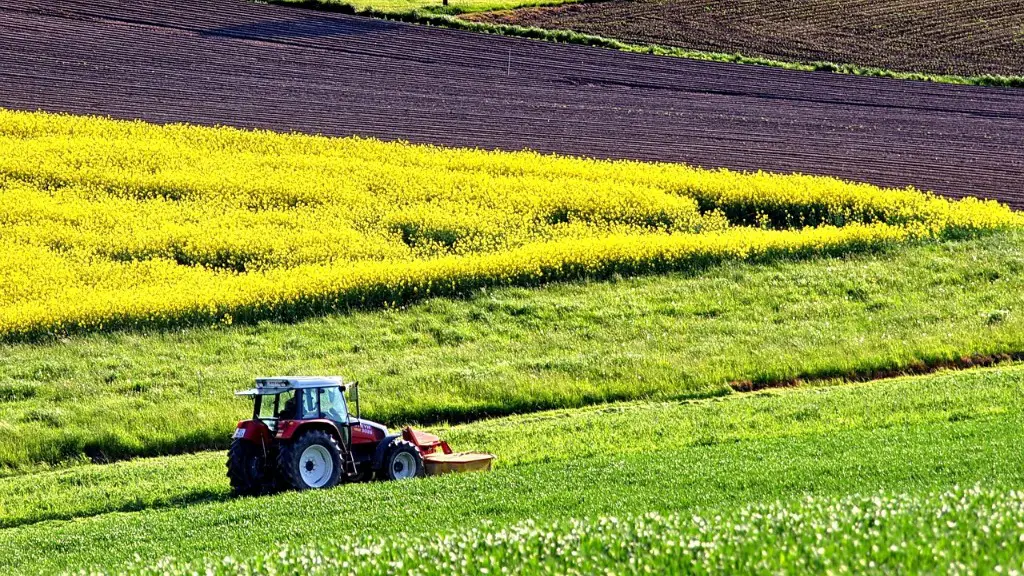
[(108, 224)]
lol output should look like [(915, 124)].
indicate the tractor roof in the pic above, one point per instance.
[(279, 384)]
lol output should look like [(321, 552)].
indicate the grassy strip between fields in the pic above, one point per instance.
[(969, 531), (429, 16), (708, 457), (113, 396), (557, 436), (454, 7)]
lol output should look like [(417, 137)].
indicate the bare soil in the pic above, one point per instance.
[(962, 37), (260, 66)]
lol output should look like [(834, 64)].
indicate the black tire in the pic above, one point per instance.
[(397, 460), (247, 468), (290, 461)]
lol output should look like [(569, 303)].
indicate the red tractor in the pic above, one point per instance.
[(303, 436)]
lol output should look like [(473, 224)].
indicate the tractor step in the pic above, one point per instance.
[(348, 463)]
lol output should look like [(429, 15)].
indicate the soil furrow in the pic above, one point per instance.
[(258, 66)]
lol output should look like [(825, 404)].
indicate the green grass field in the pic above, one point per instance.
[(730, 416), (557, 436), (117, 395), (625, 411), (708, 457)]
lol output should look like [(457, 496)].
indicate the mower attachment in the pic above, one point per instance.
[(438, 457)]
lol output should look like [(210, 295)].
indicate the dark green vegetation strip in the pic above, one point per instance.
[(708, 457), (111, 396), (558, 436), (571, 37)]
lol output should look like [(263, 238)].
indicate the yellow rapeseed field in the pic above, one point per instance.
[(111, 224)]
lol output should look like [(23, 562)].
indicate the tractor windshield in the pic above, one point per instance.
[(303, 404), (332, 404)]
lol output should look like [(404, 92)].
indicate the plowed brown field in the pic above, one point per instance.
[(252, 65), (964, 37)]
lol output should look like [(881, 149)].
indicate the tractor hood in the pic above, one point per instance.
[(369, 424)]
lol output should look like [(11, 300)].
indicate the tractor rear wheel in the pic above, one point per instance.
[(402, 461), (312, 461), (247, 468)]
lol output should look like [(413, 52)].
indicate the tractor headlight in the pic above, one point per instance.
[(239, 432)]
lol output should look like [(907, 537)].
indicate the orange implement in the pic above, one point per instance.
[(438, 458), (427, 443), (436, 464)]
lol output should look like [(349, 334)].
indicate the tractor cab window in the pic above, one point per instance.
[(310, 406), (278, 406), (287, 402), (332, 404)]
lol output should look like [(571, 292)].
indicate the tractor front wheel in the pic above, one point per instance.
[(402, 461), (247, 468), (312, 461)]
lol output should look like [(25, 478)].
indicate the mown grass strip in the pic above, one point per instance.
[(557, 436), (420, 16)]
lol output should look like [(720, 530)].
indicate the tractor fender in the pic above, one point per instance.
[(291, 429), (382, 447), (253, 431)]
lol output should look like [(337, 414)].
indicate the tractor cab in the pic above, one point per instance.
[(303, 434), (284, 405)]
